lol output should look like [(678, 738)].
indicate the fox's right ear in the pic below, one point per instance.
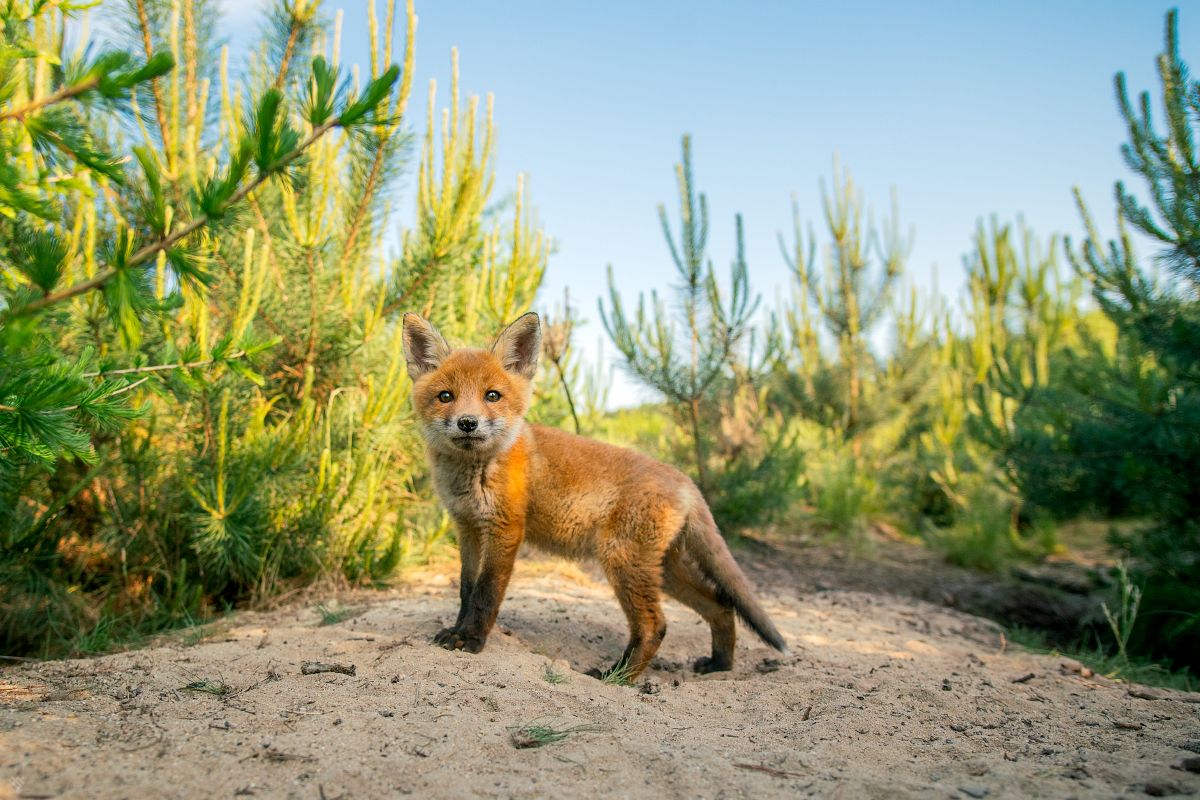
[(424, 347)]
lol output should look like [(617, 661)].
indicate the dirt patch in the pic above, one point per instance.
[(884, 696), (1059, 598)]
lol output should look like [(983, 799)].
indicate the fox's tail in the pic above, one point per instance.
[(704, 543)]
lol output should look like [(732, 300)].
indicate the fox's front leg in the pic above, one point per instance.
[(498, 552), (469, 546)]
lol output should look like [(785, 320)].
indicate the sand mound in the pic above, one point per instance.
[(882, 697)]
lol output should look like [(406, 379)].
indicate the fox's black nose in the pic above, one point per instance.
[(467, 424)]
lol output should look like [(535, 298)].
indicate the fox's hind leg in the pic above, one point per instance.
[(683, 580), (637, 586)]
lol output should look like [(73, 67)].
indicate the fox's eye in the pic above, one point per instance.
[(445, 396), (492, 396)]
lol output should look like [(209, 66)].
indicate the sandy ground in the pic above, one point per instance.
[(883, 697)]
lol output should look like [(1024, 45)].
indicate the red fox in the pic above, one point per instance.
[(503, 480)]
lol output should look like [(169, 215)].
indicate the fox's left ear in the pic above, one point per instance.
[(520, 344)]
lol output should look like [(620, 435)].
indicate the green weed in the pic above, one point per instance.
[(1122, 620), (552, 676), (1113, 666), (535, 734), (620, 675), (332, 616)]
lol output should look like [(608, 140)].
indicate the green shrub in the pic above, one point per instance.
[(202, 393)]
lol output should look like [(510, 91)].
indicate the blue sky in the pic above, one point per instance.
[(968, 109)]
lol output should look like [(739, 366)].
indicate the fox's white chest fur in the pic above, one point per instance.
[(468, 489)]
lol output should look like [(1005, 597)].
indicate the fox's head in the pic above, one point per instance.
[(471, 400)]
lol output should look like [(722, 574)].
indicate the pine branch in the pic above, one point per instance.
[(360, 212), (160, 105), (204, 362), (137, 371), (416, 283), (237, 279), (288, 50), (120, 391), (65, 93), (163, 367), (149, 251)]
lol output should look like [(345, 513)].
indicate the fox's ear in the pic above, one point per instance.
[(424, 347), (520, 344)]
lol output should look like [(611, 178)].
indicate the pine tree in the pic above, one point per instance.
[(1139, 425), (684, 356), (849, 419), (849, 295), (1022, 323), (107, 245), (54, 147), (200, 397)]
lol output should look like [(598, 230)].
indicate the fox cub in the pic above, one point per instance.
[(504, 480)]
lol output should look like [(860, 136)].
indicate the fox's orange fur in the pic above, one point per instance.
[(504, 480)]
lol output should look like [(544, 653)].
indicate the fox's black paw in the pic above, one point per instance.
[(458, 639), (595, 672), (445, 635), (705, 665)]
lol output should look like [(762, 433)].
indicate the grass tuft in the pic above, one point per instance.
[(332, 616), (620, 675), (535, 734), (551, 675), (1113, 666)]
